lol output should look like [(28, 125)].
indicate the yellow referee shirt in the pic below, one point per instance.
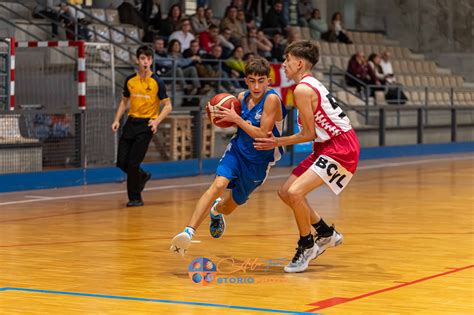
[(145, 95)]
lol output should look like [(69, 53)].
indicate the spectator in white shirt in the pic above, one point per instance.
[(387, 68), (183, 36)]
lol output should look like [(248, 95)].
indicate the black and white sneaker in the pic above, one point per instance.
[(324, 242), (301, 260)]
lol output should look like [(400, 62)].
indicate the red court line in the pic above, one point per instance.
[(341, 300)]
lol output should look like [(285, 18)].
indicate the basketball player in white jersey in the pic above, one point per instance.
[(333, 160)]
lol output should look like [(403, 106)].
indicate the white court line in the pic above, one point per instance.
[(366, 167), (37, 197)]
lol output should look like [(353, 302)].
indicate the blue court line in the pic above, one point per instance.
[(129, 298)]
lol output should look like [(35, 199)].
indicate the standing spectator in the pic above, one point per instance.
[(198, 21), (74, 18), (172, 21), (146, 92), (154, 22), (49, 9), (278, 49), (317, 26), (387, 68), (274, 20), (210, 38), (305, 8), (230, 21), (183, 36), (336, 30), (128, 14)]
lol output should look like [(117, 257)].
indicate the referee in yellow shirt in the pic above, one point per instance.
[(146, 92)]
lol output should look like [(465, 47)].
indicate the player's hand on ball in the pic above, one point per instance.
[(153, 124), (227, 114), (266, 143), (115, 126)]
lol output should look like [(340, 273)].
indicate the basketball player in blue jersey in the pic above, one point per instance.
[(242, 168)]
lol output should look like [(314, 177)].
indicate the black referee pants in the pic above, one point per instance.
[(133, 144)]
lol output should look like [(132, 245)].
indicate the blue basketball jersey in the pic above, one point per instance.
[(243, 143)]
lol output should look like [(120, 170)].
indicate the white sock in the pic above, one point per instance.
[(190, 231)]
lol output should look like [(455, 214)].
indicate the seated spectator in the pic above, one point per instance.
[(128, 14), (387, 68), (215, 70), (172, 21), (224, 39), (336, 30), (317, 26), (230, 21), (162, 62), (199, 22), (71, 16), (236, 66), (184, 36), (304, 9), (48, 9), (209, 38), (242, 20), (359, 69), (374, 64), (278, 49), (257, 43), (209, 14), (274, 20), (193, 50)]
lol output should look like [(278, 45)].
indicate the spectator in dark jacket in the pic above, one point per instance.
[(274, 20), (359, 68)]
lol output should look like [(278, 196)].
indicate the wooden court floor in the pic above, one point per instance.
[(408, 248)]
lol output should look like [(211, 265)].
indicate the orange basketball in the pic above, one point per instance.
[(222, 100)]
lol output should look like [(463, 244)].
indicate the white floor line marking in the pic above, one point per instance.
[(366, 167), (37, 197)]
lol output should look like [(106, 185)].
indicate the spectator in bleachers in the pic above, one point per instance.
[(242, 20), (209, 38), (215, 70), (71, 15), (252, 7), (317, 26), (128, 14), (209, 14), (161, 59), (184, 36), (278, 49), (374, 64), (257, 43), (224, 39), (198, 21), (236, 65), (193, 50), (387, 68), (184, 67), (153, 22), (48, 9), (239, 4), (172, 21), (304, 9), (359, 68), (230, 21), (274, 20), (336, 30)]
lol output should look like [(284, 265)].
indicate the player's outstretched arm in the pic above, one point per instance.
[(304, 98), (119, 113)]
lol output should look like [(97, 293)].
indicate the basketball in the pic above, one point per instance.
[(222, 100)]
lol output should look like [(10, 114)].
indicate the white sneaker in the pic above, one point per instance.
[(181, 243), (324, 243), (303, 256)]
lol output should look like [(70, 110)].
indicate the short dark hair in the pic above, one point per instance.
[(257, 66), (304, 49), (144, 50)]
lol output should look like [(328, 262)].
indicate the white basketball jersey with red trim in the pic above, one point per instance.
[(329, 119)]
